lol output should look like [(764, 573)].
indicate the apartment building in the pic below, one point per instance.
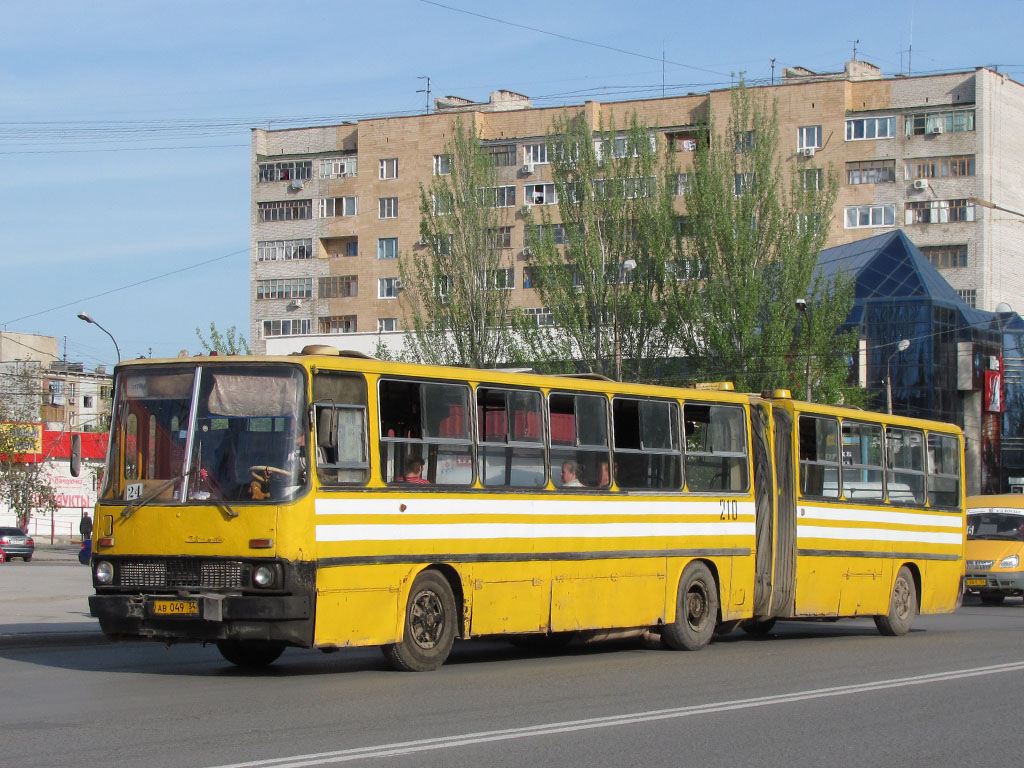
[(938, 156)]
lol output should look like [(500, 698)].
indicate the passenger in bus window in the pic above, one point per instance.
[(570, 475), (604, 478), (414, 472)]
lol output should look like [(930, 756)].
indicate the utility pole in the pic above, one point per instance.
[(425, 90)]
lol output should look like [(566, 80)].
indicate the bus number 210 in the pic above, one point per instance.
[(728, 510)]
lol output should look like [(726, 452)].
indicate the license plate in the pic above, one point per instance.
[(977, 582), (175, 607)]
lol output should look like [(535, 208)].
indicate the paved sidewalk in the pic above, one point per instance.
[(46, 601)]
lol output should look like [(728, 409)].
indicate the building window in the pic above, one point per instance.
[(387, 247), (871, 172), (338, 167), (352, 247), (331, 207), (860, 128), (338, 324), (389, 168), (339, 286), (744, 184), (745, 141), (541, 315), (501, 279), (389, 207), (940, 167), (502, 154), (498, 197), (385, 324), (285, 288), (285, 210), (559, 233), (969, 295), (683, 141), (387, 288), (502, 237), (444, 204), (946, 256), (619, 189), (541, 194), (87, 401), (684, 183), (284, 250), (863, 216), (924, 123), (286, 171), (808, 137), (812, 179), (535, 154), (442, 165), (296, 327), (938, 211)]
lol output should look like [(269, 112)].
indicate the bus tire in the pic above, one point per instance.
[(992, 598), (902, 606), (250, 653), (429, 632), (696, 610)]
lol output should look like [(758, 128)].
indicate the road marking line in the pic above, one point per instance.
[(447, 742)]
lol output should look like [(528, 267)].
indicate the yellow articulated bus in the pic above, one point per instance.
[(326, 500)]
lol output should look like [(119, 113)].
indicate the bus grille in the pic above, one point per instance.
[(205, 574)]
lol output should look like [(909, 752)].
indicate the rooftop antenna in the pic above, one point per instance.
[(910, 49), (663, 69), (773, 71), (855, 42), (425, 90)]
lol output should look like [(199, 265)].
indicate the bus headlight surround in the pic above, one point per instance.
[(1010, 562), (104, 572), (263, 576)]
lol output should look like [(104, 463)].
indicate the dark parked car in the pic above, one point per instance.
[(16, 543)]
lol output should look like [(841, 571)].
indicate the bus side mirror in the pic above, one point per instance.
[(76, 455)]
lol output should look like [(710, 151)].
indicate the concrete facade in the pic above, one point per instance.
[(949, 213)]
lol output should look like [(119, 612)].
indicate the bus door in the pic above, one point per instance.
[(764, 506), (784, 592)]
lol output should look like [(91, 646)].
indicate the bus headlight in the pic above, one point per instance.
[(1010, 562), (104, 572), (263, 576)]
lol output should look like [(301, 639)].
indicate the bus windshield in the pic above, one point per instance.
[(1008, 525), (208, 433)]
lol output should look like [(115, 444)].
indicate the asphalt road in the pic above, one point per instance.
[(809, 694)]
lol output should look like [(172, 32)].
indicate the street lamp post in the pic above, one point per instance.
[(801, 306), (901, 346), (86, 318)]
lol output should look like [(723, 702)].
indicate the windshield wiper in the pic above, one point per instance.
[(135, 504)]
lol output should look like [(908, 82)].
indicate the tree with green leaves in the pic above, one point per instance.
[(455, 283), (231, 342), (602, 266), (24, 484), (754, 228)]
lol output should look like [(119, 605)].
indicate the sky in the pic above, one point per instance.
[(125, 126)]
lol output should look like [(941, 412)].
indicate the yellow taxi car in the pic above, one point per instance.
[(995, 547)]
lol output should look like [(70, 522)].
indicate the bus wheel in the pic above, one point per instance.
[(992, 598), (696, 610), (902, 606), (250, 653), (430, 618)]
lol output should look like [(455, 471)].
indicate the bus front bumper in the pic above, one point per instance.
[(1010, 582), (203, 617)]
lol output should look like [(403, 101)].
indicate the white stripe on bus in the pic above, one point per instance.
[(630, 507), (881, 516), (876, 534), (470, 531)]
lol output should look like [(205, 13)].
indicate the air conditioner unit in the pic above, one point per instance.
[(296, 184), (399, 285), (807, 152), (527, 251), (526, 169), (295, 303), (920, 183), (937, 128), (527, 207), (421, 241)]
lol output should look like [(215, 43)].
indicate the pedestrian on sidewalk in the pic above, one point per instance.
[(85, 527)]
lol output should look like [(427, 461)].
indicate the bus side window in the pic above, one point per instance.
[(819, 457), (339, 405), (647, 452), (579, 439), (943, 470), (716, 447), (511, 440), (905, 462), (425, 436)]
